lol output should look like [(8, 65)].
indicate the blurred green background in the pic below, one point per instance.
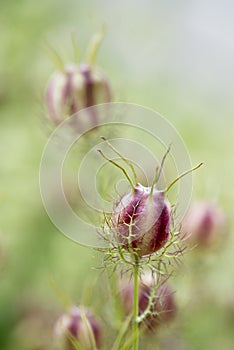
[(175, 57)]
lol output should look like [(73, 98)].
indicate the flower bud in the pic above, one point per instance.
[(79, 325), (162, 309), (75, 88), (204, 224), (141, 220)]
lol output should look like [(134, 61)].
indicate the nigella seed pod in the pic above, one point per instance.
[(79, 325), (204, 224), (163, 307), (75, 88), (141, 220)]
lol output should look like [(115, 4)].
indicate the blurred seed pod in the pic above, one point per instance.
[(78, 326), (74, 88), (204, 225), (162, 307)]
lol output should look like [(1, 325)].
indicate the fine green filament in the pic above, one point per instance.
[(158, 170), (182, 175), (94, 44), (154, 181), (122, 157), (118, 166), (53, 56)]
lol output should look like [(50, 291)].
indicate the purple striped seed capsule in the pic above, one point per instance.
[(75, 88), (141, 220), (163, 307), (204, 225), (79, 325)]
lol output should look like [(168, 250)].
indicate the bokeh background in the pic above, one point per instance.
[(173, 56)]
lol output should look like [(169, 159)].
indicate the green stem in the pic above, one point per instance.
[(135, 305)]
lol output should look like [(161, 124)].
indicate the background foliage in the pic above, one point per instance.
[(176, 57)]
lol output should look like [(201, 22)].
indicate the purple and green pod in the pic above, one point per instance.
[(162, 308), (77, 87), (141, 220), (204, 225), (79, 325)]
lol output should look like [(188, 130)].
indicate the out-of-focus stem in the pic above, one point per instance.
[(135, 305)]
